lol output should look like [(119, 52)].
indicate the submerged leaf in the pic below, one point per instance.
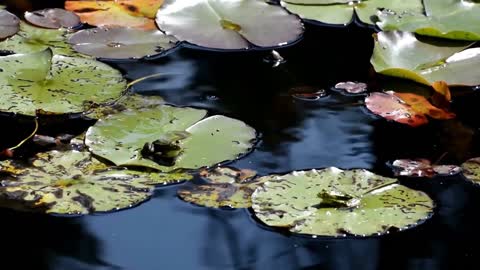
[(55, 84), (233, 24), (423, 168), (121, 43), (53, 18), (9, 24), (167, 138), (225, 187), (333, 202), (401, 54), (72, 183)]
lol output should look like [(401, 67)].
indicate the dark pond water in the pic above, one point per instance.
[(166, 233)]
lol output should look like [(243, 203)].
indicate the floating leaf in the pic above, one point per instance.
[(53, 18), (352, 87), (128, 101), (423, 168), (471, 170), (72, 183), (452, 19), (401, 54), (225, 187), (341, 12), (33, 39), (58, 84), (128, 13), (167, 138), (333, 202), (405, 108), (233, 24), (9, 24), (121, 43)]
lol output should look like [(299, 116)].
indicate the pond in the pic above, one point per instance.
[(296, 133)]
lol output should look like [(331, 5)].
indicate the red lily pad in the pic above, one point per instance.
[(423, 168), (53, 18), (9, 24), (352, 87)]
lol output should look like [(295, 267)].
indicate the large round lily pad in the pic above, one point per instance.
[(453, 19), (401, 54), (167, 138), (333, 202), (341, 12), (55, 84), (53, 18), (229, 24), (9, 24), (471, 170), (72, 183), (121, 43)]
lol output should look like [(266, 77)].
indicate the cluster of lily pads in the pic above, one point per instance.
[(139, 142)]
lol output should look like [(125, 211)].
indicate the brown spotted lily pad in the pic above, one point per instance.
[(53, 18), (72, 183), (423, 168), (225, 187), (405, 108), (471, 170), (334, 202), (9, 24)]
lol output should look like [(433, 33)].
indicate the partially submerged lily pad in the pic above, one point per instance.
[(401, 54), (234, 24), (125, 102), (452, 19), (71, 183), (53, 18), (352, 88), (342, 12), (471, 170), (225, 187), (168, 138), (9, 24), (422, 168), (56, 84), (121, 43), (405, 108), (333, 202)]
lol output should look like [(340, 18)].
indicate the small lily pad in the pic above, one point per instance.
[(422, 168), (471, 170), (56, 84), (234, 24), (121, 42), (341, 12), (401, 54), (333, 202), (53, 18), (168, 138), (9, 24), (353, 88), (72, 183), (225, 187)]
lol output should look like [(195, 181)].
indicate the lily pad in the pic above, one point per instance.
[(405, 108), (53, 18), (9, 24), (333, 202), (72, 183), (342, 12), (128, 13), (168, 138), (121, 43), (125, 102), (401, 54), (471, 170), (34, 39), (225, 187), (452, 19), (56, 84), (234, 24), (422, 168), (352, 88)]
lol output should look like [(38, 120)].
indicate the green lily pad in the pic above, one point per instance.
[(9, 24), (333, 202), (471, 170), (234, 24), (121, 43), (168, 138), (72, 183), (56, 84), (225, 187), (35, 39), (53, 18), (401, 54), (342, 12), (125, 102), (452, 19)]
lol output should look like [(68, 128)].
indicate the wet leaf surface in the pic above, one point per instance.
[(471, 170), (352, 87), (72, 183), (225, 187), (333, 202), (401, 54), (422, 168), (405, 108), (53, 18), (125, 102), (56, 84), (121, 42), (234, 24), (9, 24)]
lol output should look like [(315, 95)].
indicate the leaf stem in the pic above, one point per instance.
[(28, 138)]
